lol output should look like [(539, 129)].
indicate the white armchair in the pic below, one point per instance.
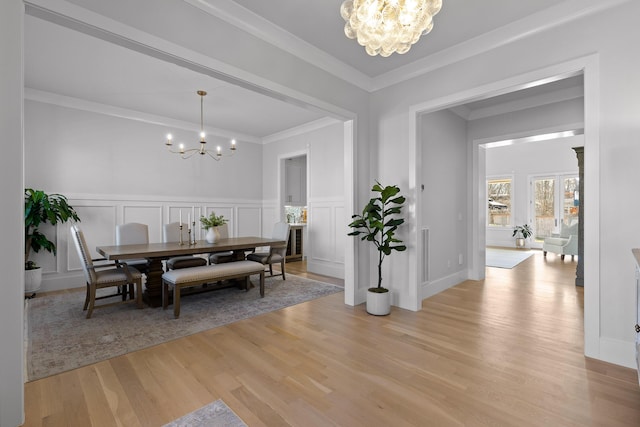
[(565, 243)]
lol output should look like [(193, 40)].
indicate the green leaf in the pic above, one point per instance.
[(40, 208), (389, 192), (394, 222)]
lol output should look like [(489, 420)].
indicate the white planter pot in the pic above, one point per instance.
[(32, 281), (520, 242), (213, 235), (378, 304)]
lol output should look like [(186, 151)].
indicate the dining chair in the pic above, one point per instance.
[(276, 253), (171, 233), (101, 276), (134, 233), (222, 257)]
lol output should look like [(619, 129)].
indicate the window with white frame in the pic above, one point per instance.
[(499, 203)]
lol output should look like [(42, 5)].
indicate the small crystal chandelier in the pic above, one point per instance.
[(387, 26), (186, 153)]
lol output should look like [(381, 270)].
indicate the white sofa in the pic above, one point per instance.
[(565, 243)]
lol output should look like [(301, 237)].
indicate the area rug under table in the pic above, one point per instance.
[(60, 338), (215, 414), (506, 258)]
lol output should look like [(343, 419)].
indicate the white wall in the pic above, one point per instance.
[(326, 219), (74, 151), (11, 216), (444, 199), (530, 121), (521, 162), (614, 147)]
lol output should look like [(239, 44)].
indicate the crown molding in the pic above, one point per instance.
[(71, 16), (299, 130), (546, 19), (256, 25), (559, 95), (109, 110), (563, 12)]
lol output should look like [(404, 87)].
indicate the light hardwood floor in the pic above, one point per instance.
[(507, 351)]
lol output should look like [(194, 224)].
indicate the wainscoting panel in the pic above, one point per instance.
[(321, 242), (341, 231), (99, 216), (226, 211), (173, 215), (249, 220), (326, 233), (150, 215), (270, 216)]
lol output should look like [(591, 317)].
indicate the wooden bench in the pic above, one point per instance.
[(194, 276)]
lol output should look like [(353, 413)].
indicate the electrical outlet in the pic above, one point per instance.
[(460, 259)]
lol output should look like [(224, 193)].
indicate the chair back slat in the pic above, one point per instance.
[(83, 253)]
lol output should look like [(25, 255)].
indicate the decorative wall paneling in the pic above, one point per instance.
[(326, 237), (100, 215)]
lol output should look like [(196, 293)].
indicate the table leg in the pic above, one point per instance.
[(238, 255), (153, 285)]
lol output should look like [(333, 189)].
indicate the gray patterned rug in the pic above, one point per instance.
[(213, 415), (60, 338)]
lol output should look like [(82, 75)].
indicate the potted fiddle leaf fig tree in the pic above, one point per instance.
[(41, 208), (377, 224), (210, 224)]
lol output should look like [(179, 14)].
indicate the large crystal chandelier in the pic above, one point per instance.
[(387, 26)]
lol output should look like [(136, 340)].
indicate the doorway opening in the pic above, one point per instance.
[(475, 189)]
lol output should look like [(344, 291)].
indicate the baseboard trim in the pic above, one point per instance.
[(434, 287), (326, 269), (62, 281), (618, 352)]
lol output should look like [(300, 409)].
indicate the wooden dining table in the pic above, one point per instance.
[(155, 253)]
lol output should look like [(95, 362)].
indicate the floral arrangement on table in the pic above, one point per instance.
[(212, 220)]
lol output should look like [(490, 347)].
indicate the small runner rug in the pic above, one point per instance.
[(506, 258), (215, 414), (60, 338)]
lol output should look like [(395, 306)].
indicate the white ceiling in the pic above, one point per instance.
[(319, 23), (60, 62)]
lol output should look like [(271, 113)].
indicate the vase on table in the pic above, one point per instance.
[(213, 235)]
